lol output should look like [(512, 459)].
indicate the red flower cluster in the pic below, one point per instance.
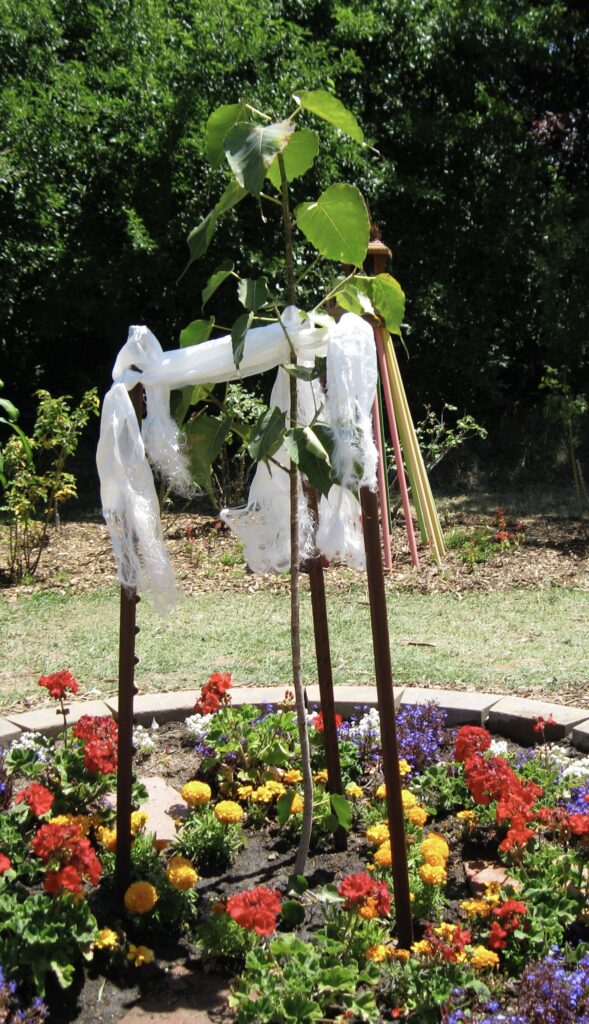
[(256, 909), (447, 942), (492, 778), (5, 863), (37, 797), (320, 724), (58, 682), (362, 892), (214, 693), (99, 735), (541, 723), (508, 918), (70, 857), (579, 824), (470, 740)]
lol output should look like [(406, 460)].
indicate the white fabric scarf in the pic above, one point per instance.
[(129, 499)]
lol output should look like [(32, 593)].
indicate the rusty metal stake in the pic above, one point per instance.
[(127, 690), (324, 672), (386, 710)]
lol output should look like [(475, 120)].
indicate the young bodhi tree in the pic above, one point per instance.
[(264, 156)]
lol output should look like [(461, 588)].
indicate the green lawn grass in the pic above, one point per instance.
[(519, 641)]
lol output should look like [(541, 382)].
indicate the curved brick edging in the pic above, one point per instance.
[(511, 717)]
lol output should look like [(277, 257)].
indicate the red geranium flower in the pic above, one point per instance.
[(214, 693), (100, 756), (541, 723), (256, 910), (497, 936), (5, 863), (320, 724), (96, 727), (578, 824), (58, 682), (356, 888), (38, 798), (63, 846), (471, 739), (69, 878)]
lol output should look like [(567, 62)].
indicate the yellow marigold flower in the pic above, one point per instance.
[(354, 791), (482, 958), (378, 834), (107, 837), (369, 909), (436, 858), (261, 795), (381, 791), (432, 874), (404, 767), (276, 788), (476, 908), (181, 874), (138, 822), (445, 930), (292, 776), (297, 804), (435, 850), (421, 948), (321, 776), (383, 856), (141, 897), (196, 794), (228, 812), (81, 820), (409, 799), (395, 953), (107, 939), (376, 953), (468, 817), (244, 792), (417, 815), (139, 955)]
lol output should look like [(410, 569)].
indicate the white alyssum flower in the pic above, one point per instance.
[(198, 725)]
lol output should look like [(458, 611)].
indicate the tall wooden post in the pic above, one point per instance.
[(127, 690), (386, 711), (324, 672)]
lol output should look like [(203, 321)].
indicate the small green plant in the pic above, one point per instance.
[(210, 845), (478, 544), (33, 474), (437, 438)]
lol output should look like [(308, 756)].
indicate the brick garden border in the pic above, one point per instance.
[(511, 717)]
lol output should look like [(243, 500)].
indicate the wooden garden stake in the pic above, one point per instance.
[(324, 672), (386, 710), (127, 690)]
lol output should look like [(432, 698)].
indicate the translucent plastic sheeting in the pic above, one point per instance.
[(128, 493)]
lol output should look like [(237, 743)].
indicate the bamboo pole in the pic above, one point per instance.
[(412, 450), (384, 376)]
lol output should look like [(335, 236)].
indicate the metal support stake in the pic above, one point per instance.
[(127, 690), (386, 710), (324, 673)]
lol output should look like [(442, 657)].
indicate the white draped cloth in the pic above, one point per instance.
[(129, 499)]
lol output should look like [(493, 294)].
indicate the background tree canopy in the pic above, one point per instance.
[(479, 109)]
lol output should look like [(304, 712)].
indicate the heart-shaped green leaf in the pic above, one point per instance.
[(328, 107), (196, 332), (251, 148), (307, 452), (337, 224), (238, 333), (298, 156), (216, 280), (253, 294), (389, 300), (342, 810), (205, 436), (219, 124), (267, 434), (200, 237)]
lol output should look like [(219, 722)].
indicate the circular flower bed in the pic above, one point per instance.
[(497, 843)]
